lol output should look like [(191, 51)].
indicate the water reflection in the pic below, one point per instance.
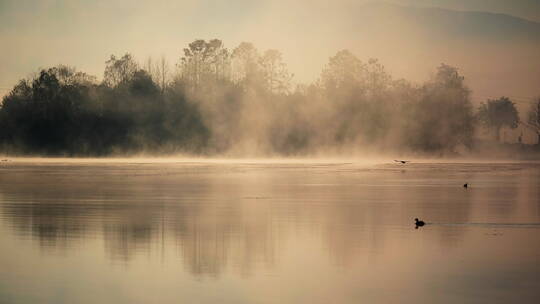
[(209, 225), (247, 219), (207, 215)]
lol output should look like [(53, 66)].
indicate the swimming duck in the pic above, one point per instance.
[(465, 185), (401, 161), (418, 223)]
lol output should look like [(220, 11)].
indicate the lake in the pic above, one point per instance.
[(268, 231)]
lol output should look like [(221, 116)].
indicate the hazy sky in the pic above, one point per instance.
[(528, 9), (84, 34)]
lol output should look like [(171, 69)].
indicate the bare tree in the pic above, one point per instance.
[(162, 73), (159, 71), (149, 68)]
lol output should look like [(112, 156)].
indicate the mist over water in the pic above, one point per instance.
[(269, 151), (366, 77), (240, 103), (282, 231)]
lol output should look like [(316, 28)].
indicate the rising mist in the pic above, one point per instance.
[(312, 92)]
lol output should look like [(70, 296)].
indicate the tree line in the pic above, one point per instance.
[(217, 100)]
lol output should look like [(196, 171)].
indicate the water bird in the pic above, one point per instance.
[(418, 223), (465, 185), (402, 161)]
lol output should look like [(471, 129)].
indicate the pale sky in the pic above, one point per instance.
[(84, 34)]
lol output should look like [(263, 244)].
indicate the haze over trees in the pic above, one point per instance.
[(442, 116), (242, 101), (498, 113), (534, 117)]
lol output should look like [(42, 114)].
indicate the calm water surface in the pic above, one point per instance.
[(268, 232)]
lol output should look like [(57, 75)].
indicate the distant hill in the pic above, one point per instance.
[(444, 23), (499, 54)]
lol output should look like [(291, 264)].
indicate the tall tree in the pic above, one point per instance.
[(343, 71), (276, 75), (360, 94), (204, 62), (118, 70), (443, 118), (163, 73), (497, 113), (159, 71), (245, 64), (534, 118)]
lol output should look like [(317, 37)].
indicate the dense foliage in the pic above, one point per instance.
[(65, 112), (498, 113), (534, 118), (238, 101)]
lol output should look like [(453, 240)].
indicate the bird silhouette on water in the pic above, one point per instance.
[(401, 161), (465, 185), (418, 223)]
